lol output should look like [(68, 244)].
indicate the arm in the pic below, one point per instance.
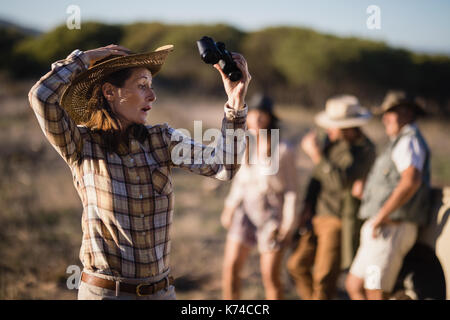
[(358, 189), (330, 175), (289, 176), (336, 177), (409, 158), (408, 185), (289, 220), (233, 200), (339, 177), (54, 121), (223, 160), (236, 193), (61, 131)]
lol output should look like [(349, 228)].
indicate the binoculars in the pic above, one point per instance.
[(214, 52)]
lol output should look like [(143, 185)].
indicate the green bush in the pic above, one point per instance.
[(9, 37), (35, 55)]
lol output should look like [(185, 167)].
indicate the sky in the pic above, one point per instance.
[(419, 25)]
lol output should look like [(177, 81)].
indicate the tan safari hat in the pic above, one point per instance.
[(396, 98), (76, 96), (343, 111)]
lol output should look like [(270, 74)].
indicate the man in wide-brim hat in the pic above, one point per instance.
[(398, 98), (395, 201), (92, 107), (341, 166)]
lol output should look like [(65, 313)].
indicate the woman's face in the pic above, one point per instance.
[(132, 102), (257, 119)]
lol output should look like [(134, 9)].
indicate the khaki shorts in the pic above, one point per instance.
[(91, 292), (258, 230), (379, 260)]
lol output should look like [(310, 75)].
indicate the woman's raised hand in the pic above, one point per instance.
[(236, 90), (103, 52)]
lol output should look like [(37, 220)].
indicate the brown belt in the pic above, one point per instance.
[(141, 289)]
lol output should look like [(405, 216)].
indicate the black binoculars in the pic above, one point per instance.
[(214, 52)]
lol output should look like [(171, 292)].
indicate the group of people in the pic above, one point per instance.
[(92, 107), (360, 211)]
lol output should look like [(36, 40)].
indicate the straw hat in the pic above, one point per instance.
[(396, 98), (343, 111), (76, 96)]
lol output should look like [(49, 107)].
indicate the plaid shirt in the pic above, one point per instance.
[(127, 197)]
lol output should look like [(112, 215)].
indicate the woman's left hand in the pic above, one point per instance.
[(236, 90)]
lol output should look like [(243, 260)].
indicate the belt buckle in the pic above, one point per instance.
[(138, 289)]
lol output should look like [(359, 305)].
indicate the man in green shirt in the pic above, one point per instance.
[(341, 166)]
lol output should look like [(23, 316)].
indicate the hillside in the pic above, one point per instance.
[(295, 65)]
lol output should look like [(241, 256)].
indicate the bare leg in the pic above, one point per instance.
[(270, 271), (355, 287), (235, 255)]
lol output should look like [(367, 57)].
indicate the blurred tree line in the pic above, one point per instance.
[(295, 65)]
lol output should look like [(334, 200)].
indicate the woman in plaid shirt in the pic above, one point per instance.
[(92, 107)]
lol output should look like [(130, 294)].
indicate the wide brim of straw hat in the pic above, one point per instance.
[(323, 120), (76, 96)]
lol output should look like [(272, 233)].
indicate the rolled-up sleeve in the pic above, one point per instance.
[(60, 130)]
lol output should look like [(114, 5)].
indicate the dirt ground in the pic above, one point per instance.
[(40, 220)]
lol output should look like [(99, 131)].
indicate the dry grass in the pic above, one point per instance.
[(40, 232)]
